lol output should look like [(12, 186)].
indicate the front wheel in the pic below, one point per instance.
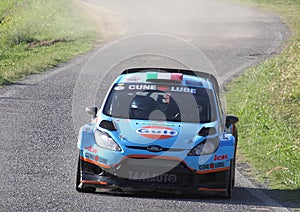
[(235, 134), (231, 178), (79, 187)]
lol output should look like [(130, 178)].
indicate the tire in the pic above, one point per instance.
[(230, 184), (233, 173), (235, 134), (83, 189)]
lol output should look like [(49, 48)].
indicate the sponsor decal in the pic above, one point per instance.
[(180, 89), (95, 158), (163, 88), (219, 165), (216, 165), (156, 132), (91, 149), (183, 89), (211, 166), (142, 87), (204, 167), (133, 79), (119, 88), (152, 177), (220, 157)]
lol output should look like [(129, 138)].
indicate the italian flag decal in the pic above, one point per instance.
[(164, 76)]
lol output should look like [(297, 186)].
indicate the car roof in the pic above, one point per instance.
[(168, 76)]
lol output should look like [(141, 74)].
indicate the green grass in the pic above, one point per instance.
[(36, 35), (267, 101)]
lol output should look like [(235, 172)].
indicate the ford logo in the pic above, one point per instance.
[(154, 148)]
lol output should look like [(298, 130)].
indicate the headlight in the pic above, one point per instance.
[(105, 141), (206, 147)]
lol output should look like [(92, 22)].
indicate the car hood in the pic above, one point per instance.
[(164, 134)]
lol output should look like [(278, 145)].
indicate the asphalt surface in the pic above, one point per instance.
[(40, 115)]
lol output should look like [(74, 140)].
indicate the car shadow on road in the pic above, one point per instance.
[(241, 195)]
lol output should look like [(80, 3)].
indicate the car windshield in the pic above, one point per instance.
[(161, 102)]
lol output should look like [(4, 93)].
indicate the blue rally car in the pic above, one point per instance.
[(159, 129)]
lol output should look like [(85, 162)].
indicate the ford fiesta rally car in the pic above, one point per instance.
[(162, 130)]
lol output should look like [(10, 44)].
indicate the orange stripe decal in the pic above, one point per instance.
[(94, 162), (94, 182), (212, 189), (213, 170)]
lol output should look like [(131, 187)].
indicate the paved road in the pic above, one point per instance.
[(40, 115)]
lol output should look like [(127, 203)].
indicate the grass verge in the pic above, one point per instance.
[(267, 100), (36, 35)]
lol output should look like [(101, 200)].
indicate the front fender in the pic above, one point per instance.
[(86, 136), (227, 145)]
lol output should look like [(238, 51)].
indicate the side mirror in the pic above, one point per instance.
[(92, 111), (231, 120)]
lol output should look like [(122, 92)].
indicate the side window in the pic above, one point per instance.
[(117, 104)]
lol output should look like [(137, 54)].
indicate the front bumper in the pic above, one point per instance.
[(129, 176)]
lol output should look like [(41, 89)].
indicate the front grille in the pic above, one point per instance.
[(153, 170), (151, 162)]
